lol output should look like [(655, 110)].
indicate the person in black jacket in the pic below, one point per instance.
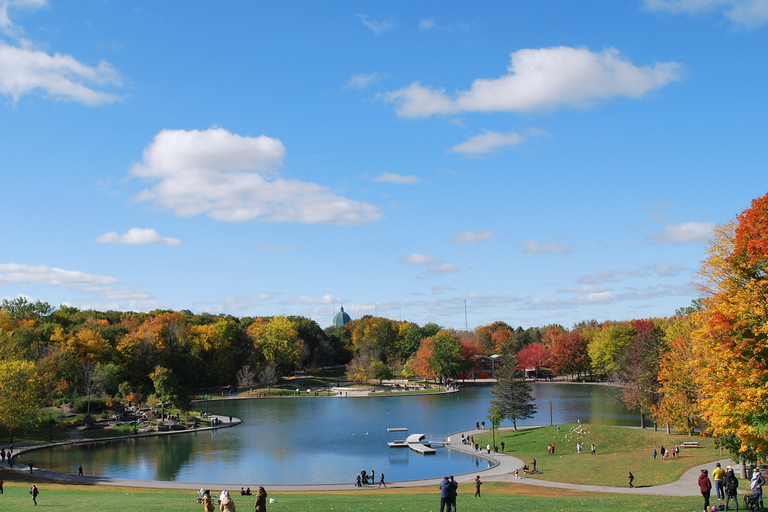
[(731, 485)]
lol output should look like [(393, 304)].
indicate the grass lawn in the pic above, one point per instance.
[(619, 450), (496, 497)]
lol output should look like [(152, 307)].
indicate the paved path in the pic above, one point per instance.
[(502, 471)]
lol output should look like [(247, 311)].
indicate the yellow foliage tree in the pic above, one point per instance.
[(19, 394)]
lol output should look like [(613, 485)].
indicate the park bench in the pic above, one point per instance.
[(690, 444)]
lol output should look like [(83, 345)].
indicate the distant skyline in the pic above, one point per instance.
[(544, 162)]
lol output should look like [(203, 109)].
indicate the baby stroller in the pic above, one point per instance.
[(752, 501)]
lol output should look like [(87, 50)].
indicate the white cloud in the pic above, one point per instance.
[(427, 24), (138, 236), (531, 247), (418, 259), (488, 141), (42, 274), (749, 13), (442, 288), (377, 26), (602, 276), (473, 237), (666, 269), (389, 177), (232, 304), (584, 289), (23, 71), (311, 301), (234, 178), (542, 79), (363, 80), (435, 265), (686, 233)]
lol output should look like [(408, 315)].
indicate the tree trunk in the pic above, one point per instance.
[(642, 421)]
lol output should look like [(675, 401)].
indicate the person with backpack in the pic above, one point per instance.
[(731, 485), (757, 483), (34, 492)]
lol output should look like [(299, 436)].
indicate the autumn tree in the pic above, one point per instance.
[(608, 347), (447, 355), (19, 394), (278, 341), (534, 355), (733, 341)]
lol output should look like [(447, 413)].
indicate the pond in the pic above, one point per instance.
[(324, 440)]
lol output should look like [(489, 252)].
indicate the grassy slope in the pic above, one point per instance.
[(619, 450), (497, 497)]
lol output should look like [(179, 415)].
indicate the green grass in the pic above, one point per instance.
[(619, 450), (497, 497)]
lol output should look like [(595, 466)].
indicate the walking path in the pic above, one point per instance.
[(502, 470)]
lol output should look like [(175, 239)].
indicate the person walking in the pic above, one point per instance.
[(1, 485), (261, 500), (478, 483), (594, 448), (80, 470), (756, 484), (705, 486), (381, 481), (631, 479), (731, 485), (34, 491), (717, 476)]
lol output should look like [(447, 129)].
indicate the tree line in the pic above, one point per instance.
[(704, 367)]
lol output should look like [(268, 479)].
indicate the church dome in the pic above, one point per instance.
[(341, 318)]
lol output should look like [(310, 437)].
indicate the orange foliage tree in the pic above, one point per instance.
[(732, 343)]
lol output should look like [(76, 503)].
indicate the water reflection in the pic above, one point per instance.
[(327, 440)]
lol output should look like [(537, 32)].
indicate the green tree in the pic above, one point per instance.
[(382, 371), (278, 341), (169, 390), (448, 356), (19, 394), (511, 395)]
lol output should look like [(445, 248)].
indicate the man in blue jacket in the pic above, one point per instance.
[(446, 491)]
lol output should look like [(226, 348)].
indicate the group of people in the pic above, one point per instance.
[(6, 455), (674, 452), (727, 486), (364, 478), (227, 504), (448, 490)]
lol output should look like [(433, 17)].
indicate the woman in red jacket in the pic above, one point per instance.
[(705, 486)]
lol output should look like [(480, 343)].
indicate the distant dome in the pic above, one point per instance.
[(341, 318)]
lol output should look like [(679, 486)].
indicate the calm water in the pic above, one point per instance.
[(326, 440)]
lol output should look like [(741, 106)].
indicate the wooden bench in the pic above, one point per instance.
[(690, 444)]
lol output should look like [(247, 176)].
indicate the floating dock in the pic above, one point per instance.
[(415, 442)]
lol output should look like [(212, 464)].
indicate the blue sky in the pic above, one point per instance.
[(543, 162)]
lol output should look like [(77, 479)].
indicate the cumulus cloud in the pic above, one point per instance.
[(542, 79), (389, 177), (235, 178), (24, 69), (748, 13), (531, 247), (435, 265), (377, 27), (138, 236), (473, 237), (42, 274), (363, 80), (486, 142), (686, 233)]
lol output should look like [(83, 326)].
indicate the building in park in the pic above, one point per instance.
[(341, 318)]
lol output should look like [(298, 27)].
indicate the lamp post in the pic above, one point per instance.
[(550, 413)]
